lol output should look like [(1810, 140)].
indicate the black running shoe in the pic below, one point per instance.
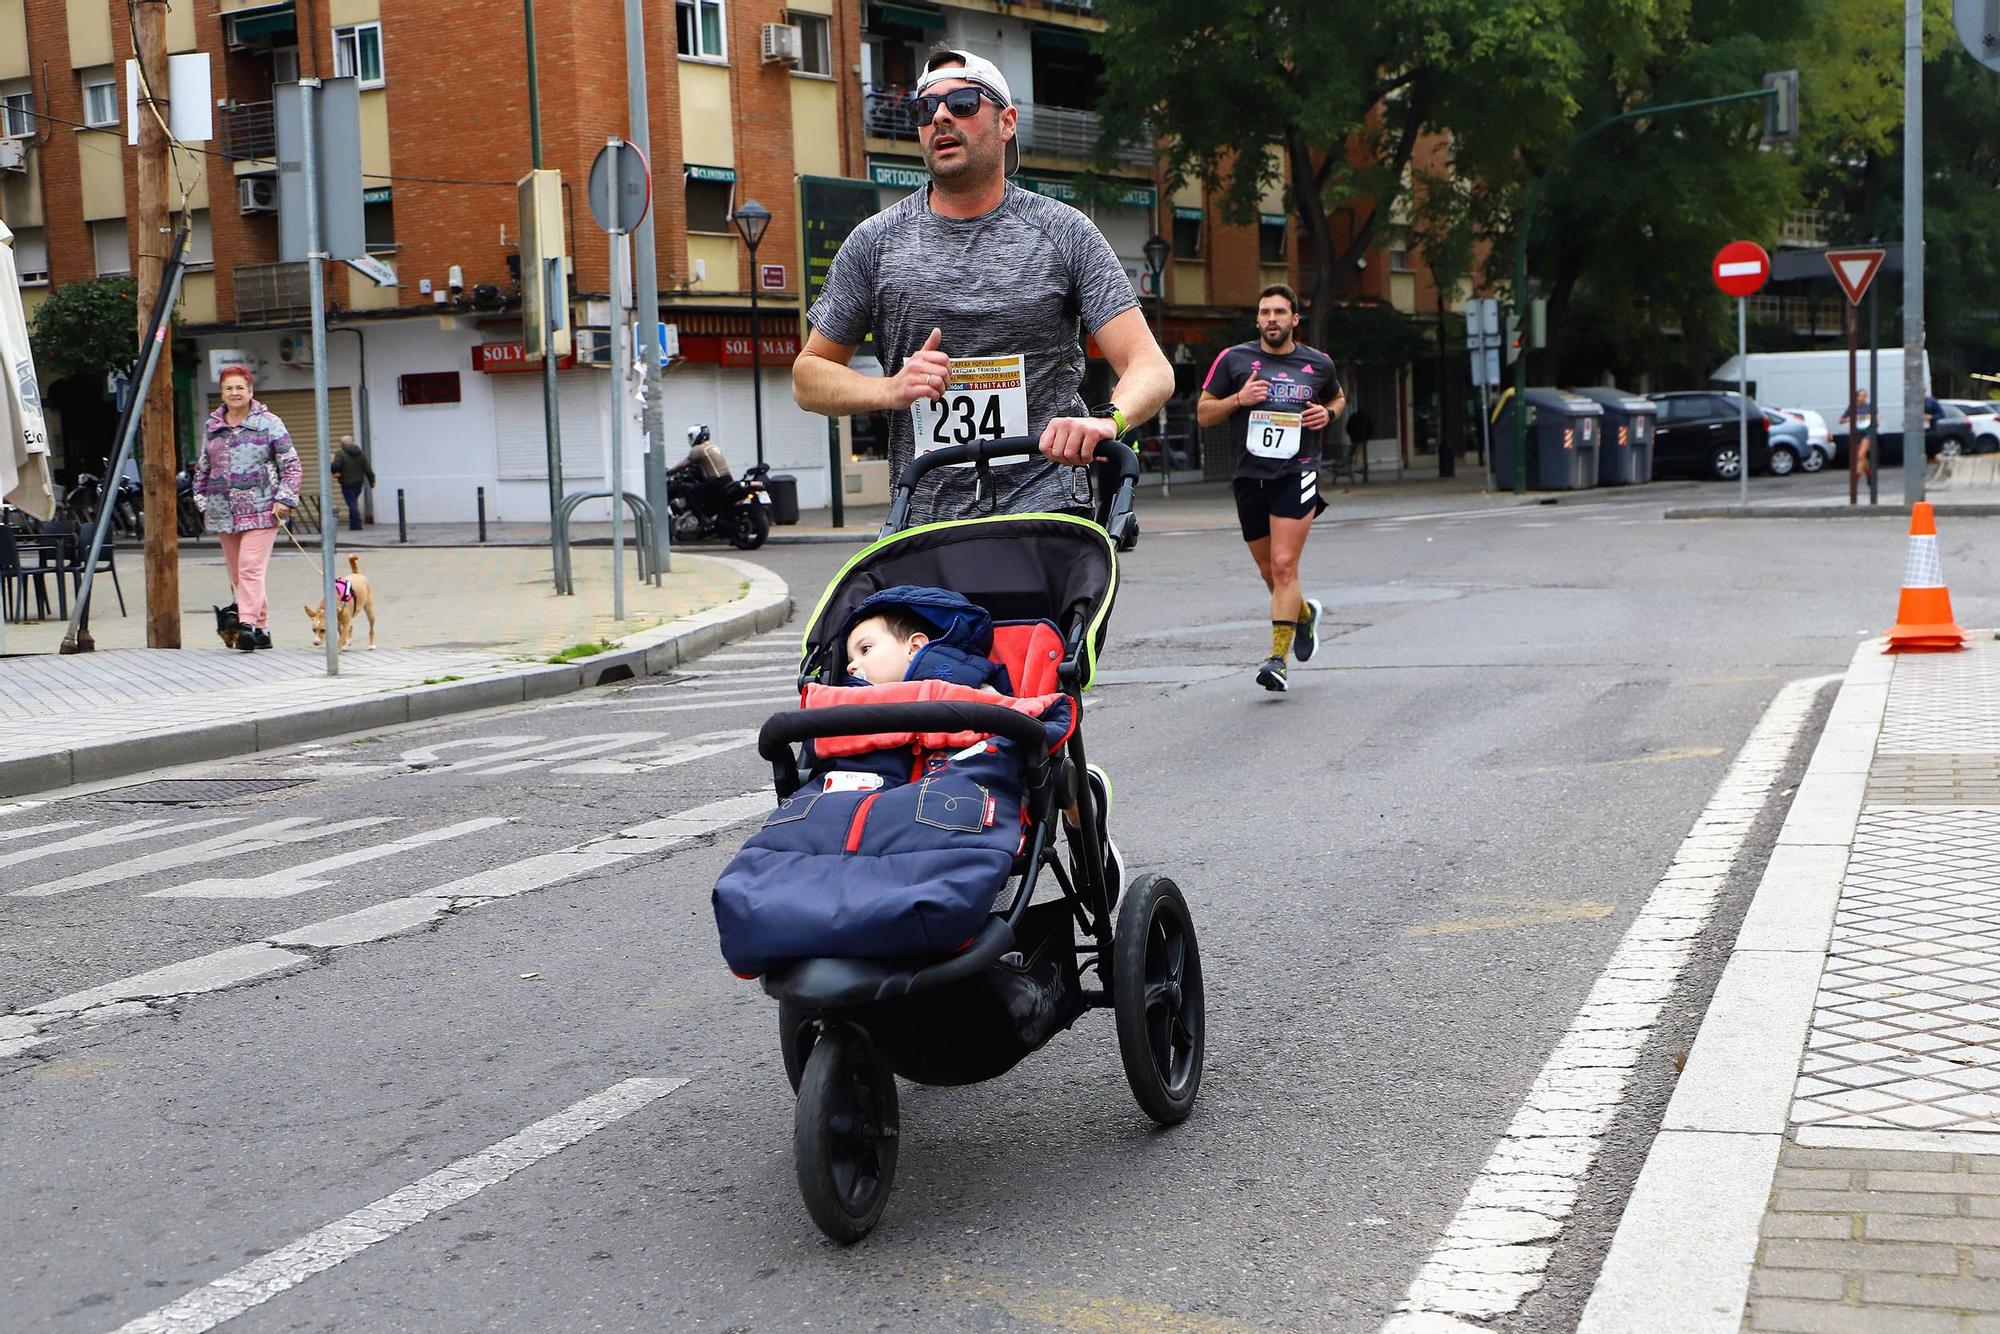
[(246, 639), (264, 638), (1271, 675), (1305, 635)]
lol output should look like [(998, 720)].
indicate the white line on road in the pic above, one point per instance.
[(702, 819), (789, 697), (98, 838), (254, 839), (265, 1277), (31, 830), (297, 879), (1494, 1250), (694, 748)]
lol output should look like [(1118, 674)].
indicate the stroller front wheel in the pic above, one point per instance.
[(1156, 994), (844, 1134)]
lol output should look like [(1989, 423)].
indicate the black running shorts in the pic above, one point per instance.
[(1261, 499)]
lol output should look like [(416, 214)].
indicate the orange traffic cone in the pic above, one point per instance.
[(1923, 617)]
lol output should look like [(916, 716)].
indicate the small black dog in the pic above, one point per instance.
[(227, 625)]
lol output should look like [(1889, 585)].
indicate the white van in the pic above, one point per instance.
[(1818, 380)]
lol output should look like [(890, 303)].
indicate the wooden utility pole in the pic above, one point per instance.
[(155, 237)]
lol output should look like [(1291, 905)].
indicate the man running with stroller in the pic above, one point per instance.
[(1279, 397), (977, 293)]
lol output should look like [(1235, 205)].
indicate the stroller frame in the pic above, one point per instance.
[(1139, 939)]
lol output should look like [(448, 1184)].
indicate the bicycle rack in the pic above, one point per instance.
[(642, 516)]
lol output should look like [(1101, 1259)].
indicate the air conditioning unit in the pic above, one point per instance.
[(782, 44), (13, 154), (257, 194), (592, 347), (295, 350)]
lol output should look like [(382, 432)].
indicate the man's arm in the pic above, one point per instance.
[(1145, 382), (824, 382), (1210, 410)]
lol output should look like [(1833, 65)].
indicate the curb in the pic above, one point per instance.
[(766, 606), (1681, 1259), (1943, 509)]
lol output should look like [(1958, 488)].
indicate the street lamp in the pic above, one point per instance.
[(1157, 249), (751, 220)]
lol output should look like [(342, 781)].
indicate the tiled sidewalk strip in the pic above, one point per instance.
[(1889, 1240)]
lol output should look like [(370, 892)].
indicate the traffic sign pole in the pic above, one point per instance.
[(1741, 269), (1742, 405)]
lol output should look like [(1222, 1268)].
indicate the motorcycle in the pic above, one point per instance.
[(706, 502), (187, 510), (84, 501)]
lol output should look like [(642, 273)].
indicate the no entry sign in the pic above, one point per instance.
[(1741, 268)]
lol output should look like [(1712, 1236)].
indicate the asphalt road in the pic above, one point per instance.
[(1407, 874)]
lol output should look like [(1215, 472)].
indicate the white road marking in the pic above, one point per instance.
[(573, 748), (25, 1029), (265, 1277), (254, 839), (297, 879), (31, 830), (98, 838), (1495, 1248), (694, 748), (771, 657), (790, 697), (431, 754), (10, 807)]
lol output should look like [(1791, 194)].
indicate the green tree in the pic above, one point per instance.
[(1344, 92), (87, 329)]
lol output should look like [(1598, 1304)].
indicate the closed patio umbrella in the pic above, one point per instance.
[(24, 436)]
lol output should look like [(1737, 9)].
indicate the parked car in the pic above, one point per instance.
[(1791, 444), (1983, 417), (1697, 436), (1817, 436), (1949, 432)]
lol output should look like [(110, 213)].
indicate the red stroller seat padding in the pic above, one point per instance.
[(1031, 651)]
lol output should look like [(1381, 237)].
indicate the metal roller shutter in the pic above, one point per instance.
[(520, 440)]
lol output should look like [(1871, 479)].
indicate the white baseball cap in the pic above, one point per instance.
[(969, 68)]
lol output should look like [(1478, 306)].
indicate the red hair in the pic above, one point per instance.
[(243, 371)]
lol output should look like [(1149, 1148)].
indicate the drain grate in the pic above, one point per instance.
[(1934, 780), (198, 791)]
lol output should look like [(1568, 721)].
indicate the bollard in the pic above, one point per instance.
[(402, 518), (482, 516)]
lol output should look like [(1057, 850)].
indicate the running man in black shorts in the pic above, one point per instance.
[(1279, 397)]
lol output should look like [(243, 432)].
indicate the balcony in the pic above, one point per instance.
[(273, 293), (1805, 227), (1044, 131), (249, 131)]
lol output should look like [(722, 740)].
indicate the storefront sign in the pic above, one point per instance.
[(772, 277), (904, 174), (722, 175), (734, 349), (509, 358), (830, 208)]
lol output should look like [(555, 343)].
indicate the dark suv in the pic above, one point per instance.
[(1697, 435)]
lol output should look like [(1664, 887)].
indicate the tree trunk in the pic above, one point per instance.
[(1311, 209)]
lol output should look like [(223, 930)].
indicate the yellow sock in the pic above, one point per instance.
[(1281, 638)]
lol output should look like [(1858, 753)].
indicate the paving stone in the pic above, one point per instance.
[(1906, 1160), (1896, 1257), (1787, 1316), (1798, 1283), (1818, 1178), (1948, 1231), (1952, 1294), (1870, 1202), (1826, 1227), (1944, 1183)]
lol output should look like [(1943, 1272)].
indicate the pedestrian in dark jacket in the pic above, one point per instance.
[(352, 470)]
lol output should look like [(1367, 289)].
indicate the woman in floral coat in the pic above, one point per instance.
[(247, 483)]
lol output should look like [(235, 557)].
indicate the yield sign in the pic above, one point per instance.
[(1855, 269)]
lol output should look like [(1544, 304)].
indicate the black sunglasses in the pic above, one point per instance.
[(962, 103)]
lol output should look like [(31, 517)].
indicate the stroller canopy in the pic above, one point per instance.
[(1019, 567)]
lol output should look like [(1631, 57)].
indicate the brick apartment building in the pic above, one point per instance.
[(428, 373)]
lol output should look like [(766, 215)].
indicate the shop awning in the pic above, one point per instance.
[(904, 16), (1067, 39), (245, 28)]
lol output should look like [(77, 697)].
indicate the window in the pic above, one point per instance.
[(1271, 238), (357, 53), (1399, 260), (113, 251), (814, 43), (1187, 233), (17, 110), (100, 98), (201, 239), (427, 387), (31, 257), (698, 29), (284, 64), (378, 222), (709, 204)]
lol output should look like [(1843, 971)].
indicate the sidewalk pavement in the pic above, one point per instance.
[(1967, 486), (460, 630), (1830, 1160)]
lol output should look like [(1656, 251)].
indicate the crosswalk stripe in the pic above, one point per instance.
[(694, 748), (254, 839), (790, 697), (98, 838), (34, 829), (297, 879)]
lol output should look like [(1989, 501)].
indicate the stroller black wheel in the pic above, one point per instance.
[(844, 1135), (1157, 995), (796, 1037)]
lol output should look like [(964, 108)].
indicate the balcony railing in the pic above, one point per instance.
[(249, 131), (1045, 131), (1805, 227), (273, 293)]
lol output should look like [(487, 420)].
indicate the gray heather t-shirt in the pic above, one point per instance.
[(1019, 280)]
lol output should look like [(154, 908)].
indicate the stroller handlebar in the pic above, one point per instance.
[(1115, 461), (784, 730)]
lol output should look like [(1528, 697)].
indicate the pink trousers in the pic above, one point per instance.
[(247, 554)]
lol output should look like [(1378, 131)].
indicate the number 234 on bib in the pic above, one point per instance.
[(986, 399)]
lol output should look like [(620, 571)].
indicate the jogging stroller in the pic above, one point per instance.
[(1053, 939)]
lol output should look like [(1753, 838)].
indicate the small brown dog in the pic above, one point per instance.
[(354, 595)]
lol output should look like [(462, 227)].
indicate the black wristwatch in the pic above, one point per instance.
[(1117, 417)]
